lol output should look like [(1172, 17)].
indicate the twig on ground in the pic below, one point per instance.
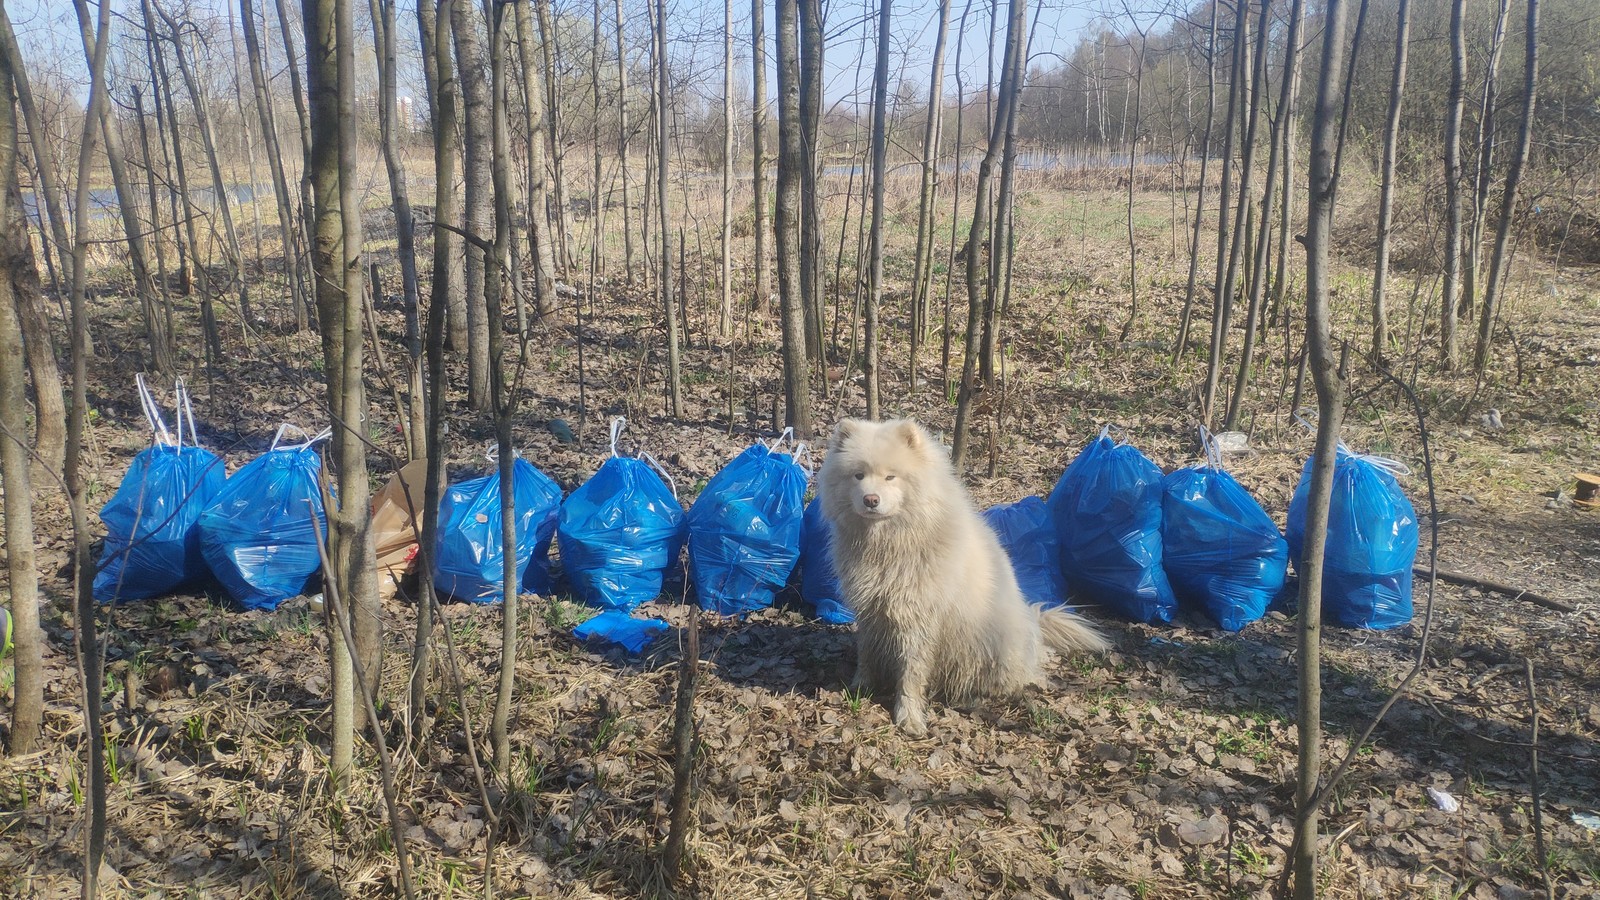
[(1534, 788), (1516, 593)]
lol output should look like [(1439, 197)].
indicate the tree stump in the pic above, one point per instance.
[(1588, 493)]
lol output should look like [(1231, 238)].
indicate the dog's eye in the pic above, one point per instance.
[(860, 475), (888, 478)]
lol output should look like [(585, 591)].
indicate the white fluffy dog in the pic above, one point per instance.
[(938, 610)]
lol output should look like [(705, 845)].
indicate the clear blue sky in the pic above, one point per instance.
[(47, 32)]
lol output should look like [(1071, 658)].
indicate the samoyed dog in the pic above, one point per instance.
[(938, 610)]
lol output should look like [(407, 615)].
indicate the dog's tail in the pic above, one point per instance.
[(1066, 633)]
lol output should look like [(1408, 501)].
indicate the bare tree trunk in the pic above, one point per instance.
[(811, 87), (791, 165), (503, 394), (1508, 202), (128, 206), (336, 259), (219, 186), (1016, 23), (155, 213), (1250, 107), (202, 272), (44, 163), (541, 253), (1263, 239), (1449, 342), (1286, 206), (622, 143), (1352, 78), (298, 93), (168, 176), (249, 145), (86, 624), (562, 220), (359, 583), (1200, 194), (383, 38), (597, 202), (442, 108), (1330, 403), (880, 168), (359, 587), (288, 234), (327, 259), (1391, 142), (725, 324), (1000, 255), (1133, 155), (454, 309), (758, 146), (922, 265), (1483, 173), (479, 203), (17, 274), (674, 375), (50, 409), (955, 203)]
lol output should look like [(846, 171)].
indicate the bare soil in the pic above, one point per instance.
[(1164, 770)]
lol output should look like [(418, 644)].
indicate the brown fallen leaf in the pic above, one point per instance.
[(1204, 831)]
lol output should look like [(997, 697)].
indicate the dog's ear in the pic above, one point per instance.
[(842, 431), (911, 433)]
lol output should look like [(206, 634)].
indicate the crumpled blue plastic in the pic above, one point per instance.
[(1371, 546), (819, 583), (744, 531), (1107, 512), (469, 553), (618, 533), (1222, 552), (152, 547), (258, 536), (621, 628), (1029, 538)]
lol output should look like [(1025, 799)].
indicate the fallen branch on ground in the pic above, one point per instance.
[(1463, 579)]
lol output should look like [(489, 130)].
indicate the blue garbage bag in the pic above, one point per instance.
[(1026, 531), (469, 552), (819, 583), (1371, 546), (1108, 522), (618, 627), (1062, 500), (259, 536), (152, 547), (744, 530), (620, 532), (1222, 552)]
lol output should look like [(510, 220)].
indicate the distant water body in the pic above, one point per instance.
[(103, 201)]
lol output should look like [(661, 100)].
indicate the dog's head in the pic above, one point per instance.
[(873, 467)]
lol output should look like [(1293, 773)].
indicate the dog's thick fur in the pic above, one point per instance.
[(938, 610)]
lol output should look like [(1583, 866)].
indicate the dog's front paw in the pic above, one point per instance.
[(909, 718)]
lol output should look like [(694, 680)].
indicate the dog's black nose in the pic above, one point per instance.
[(871, 501)]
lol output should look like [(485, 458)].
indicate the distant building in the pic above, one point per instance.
[(411, 118)]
